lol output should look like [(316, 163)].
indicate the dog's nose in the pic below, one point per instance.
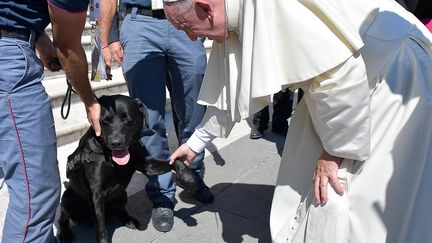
[(115, 142)]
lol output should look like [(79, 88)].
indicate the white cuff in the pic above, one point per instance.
[(199, 139)]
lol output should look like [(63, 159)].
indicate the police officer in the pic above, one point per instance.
[(156, 56), (27, 136)]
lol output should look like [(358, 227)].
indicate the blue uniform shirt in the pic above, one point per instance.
[(31, 14), (137, 3)]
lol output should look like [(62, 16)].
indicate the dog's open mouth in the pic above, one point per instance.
[(121, 156)]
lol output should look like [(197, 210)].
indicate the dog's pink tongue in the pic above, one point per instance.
[(121, 157)]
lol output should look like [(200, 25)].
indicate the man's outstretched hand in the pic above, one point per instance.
[(183, 153)]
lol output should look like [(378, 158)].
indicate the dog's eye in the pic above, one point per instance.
[(126, 119), (130, 122), (106, 120)]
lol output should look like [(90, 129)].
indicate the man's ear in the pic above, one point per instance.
[(146, 130), (204, 10)]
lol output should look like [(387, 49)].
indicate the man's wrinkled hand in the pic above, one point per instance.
[(184, 153), (326, 170)]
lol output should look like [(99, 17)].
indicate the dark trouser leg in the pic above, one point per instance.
[(282, 109), (261, 119)]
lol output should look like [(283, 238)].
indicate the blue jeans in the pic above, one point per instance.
[(28, 145), (156, 56)]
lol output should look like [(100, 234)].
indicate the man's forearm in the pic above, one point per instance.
[(67, 29), (76, 68), (107, 12), (199, 139), (42, 41)]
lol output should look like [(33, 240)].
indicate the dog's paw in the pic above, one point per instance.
[(65, 236), (132, 223), (184, 177)]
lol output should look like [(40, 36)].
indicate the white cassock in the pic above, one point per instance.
[(366, 69)]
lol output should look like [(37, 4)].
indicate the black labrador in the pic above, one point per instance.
[(100, 169)]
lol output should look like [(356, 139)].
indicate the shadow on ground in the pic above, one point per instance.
[(243, 209)]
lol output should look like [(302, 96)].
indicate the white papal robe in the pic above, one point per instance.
[(366, 69)]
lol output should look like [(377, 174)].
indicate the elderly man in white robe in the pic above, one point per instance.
[(357, 162)]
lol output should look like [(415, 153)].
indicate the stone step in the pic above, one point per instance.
[(56, 87)]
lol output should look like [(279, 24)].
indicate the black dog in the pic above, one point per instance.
[(101, 168)]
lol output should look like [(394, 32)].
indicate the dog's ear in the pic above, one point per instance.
[(146, 130)]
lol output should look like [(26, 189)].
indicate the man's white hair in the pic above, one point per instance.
[(176, 2), (182, 6)]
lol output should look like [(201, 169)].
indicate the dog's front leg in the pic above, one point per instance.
[(99, 209), (64, 233), (184, 176)]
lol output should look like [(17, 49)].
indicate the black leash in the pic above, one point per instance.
[(67, 98)]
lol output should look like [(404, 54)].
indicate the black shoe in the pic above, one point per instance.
[(203, 194), (256, 133), (163, 216)]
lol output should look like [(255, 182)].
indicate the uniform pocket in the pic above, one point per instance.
[(13, 65)]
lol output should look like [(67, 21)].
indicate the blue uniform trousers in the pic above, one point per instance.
[(156, 56), (28, 154)]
